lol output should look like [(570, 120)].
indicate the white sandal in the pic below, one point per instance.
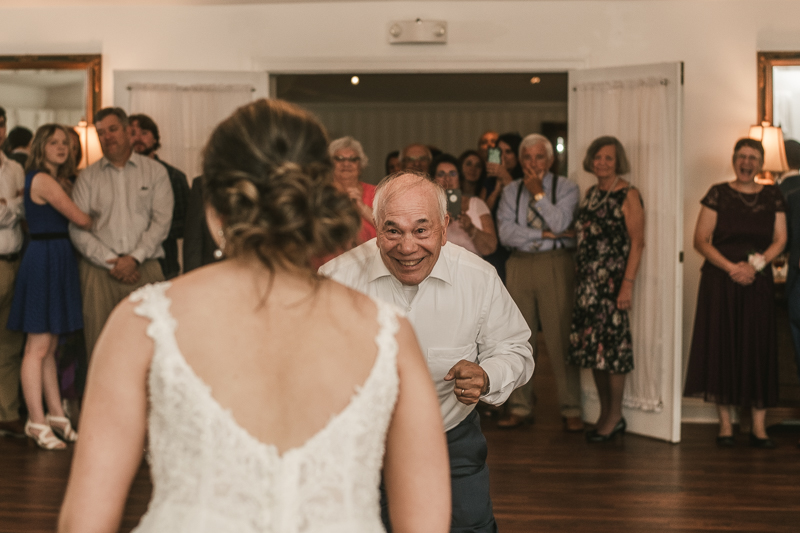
[(45, 437), (63, 428)]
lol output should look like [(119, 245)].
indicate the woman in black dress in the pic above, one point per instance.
[(733, 360)]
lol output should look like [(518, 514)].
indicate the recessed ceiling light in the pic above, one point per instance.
[(535, 80), (354, 80)]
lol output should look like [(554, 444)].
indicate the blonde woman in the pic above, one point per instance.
[(47, 297)]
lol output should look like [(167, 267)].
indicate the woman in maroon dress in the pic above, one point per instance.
[(734, 361)]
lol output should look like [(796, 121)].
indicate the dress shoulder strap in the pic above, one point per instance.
[(388, 326), (154, 304)]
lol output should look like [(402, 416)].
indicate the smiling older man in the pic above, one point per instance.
[(471, 332)]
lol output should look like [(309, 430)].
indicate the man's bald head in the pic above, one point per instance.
[(403, 181)]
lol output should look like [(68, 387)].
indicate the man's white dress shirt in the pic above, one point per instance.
[(460, 311), (132, 206), (12, 180)]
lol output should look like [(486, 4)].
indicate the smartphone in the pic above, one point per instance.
[(494, 156), (454, 202)]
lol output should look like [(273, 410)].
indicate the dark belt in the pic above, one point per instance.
[(10, 257), (48, 236)]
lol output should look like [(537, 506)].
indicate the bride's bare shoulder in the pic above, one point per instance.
[(356, 301)]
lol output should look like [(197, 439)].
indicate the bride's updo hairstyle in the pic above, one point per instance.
[(267, 173)]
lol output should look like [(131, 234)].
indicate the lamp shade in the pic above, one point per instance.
[(771, 138), (90, 144)]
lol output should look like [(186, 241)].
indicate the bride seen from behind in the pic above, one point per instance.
[(267, 394)]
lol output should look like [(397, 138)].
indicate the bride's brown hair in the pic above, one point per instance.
[(267, 173)]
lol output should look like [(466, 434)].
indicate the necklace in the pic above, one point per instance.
[(753, 202), (593, 203)]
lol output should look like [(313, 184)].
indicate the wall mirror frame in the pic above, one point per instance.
[(766, 62), (90, 63)]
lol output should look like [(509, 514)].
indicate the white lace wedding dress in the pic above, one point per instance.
[(209, 474)]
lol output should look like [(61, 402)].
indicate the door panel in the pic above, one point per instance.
[(642, 107)]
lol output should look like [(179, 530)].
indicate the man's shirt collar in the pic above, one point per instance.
[(132, 160)]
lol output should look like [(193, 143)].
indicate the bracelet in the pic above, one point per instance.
[(629, 280)]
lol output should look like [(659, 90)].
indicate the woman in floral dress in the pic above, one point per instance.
[(610, 231)]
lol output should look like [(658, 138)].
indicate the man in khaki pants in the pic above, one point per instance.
[(130, 198), (535, 220), (12, 181)]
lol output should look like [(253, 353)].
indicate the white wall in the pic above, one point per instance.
[(717, 40)]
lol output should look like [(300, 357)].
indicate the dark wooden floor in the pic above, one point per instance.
[(542, 480)]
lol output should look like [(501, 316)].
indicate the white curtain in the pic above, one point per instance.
[(786, 112), (383, 127), (33, 118), (186, 116), (634, 112)]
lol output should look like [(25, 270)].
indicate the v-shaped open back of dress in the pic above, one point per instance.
[(210, 474)]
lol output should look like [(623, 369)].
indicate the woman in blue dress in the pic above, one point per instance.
[(47, 298)]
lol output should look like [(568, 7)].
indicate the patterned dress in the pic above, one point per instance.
[(600, 337)]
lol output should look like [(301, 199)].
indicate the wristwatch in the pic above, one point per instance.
[(538, 196)]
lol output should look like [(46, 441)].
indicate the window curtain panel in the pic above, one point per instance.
[(786, 112), (33, 118), (186, 116), (634, 112)]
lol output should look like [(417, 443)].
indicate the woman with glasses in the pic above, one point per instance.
[(474, 227), (349, 160), (733, 360)]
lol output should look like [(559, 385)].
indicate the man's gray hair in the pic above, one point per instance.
[(534, 139), (116, 111), (343, 143), (381, 196)]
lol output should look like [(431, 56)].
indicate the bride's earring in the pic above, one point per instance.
[(218, 253)]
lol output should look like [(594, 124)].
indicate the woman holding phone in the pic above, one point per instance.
[(472, 227)]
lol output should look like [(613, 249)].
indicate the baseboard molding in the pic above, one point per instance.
[(696, 411)]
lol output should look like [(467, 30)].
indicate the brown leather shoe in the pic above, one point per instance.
[(573, 424), (12, 428), (512, 420)]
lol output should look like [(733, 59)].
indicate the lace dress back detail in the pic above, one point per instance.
[(210, 474)]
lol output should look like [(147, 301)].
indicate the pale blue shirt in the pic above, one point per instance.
[(461, 311), (512, 215)]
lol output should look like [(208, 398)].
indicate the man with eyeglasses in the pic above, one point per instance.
[(416, 157)]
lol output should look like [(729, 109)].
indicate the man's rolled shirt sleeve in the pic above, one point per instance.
[(504, 350)]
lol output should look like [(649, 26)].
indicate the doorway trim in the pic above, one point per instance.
[(411, 65)]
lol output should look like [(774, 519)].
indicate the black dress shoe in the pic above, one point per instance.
[(594, 436), (764, 444), (726, 441)]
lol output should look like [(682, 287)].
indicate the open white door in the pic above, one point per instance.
[(643, 107)]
